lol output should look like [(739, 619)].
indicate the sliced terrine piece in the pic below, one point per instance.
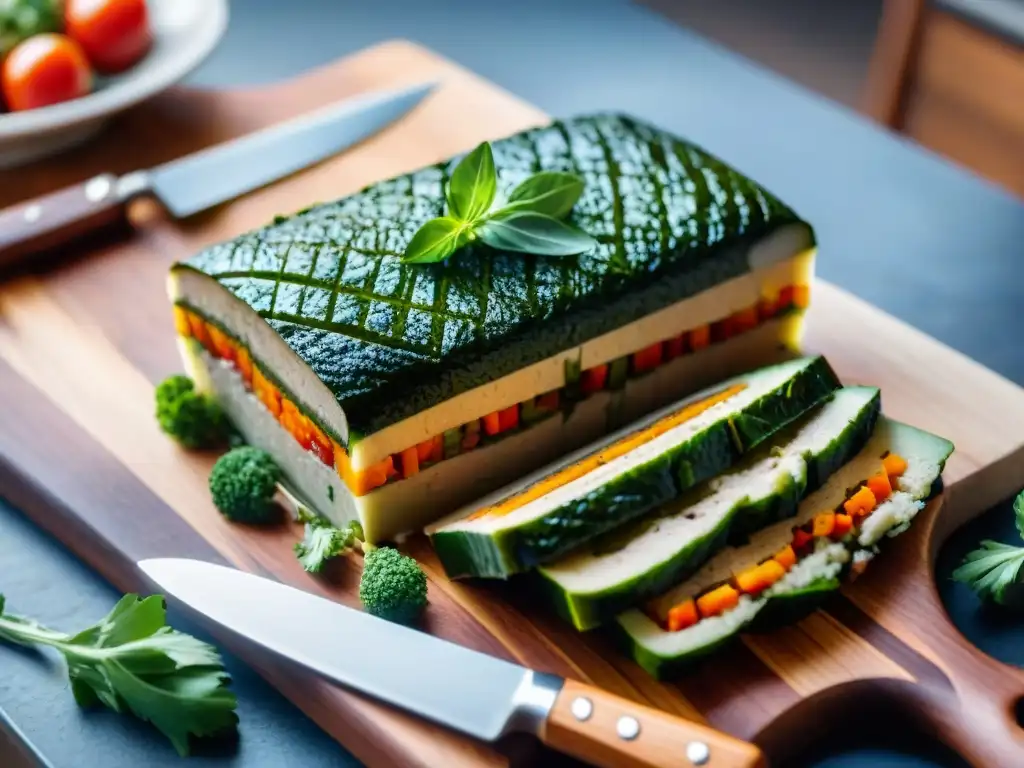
[(394, 392), (619, 478), (788, 568), (644, 558)]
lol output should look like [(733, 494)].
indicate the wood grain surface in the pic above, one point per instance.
[(84, 337)]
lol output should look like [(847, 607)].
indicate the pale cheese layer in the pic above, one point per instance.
[(777, 261)]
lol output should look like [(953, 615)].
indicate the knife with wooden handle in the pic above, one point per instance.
[(199, 181), (470, 692)]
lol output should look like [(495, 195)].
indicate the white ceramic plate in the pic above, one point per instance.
[(184, 33)]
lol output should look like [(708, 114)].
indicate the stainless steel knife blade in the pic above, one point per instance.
[(225, 171), (206, 178), (468, 691)]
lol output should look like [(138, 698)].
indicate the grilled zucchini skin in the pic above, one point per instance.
[(391, 340)]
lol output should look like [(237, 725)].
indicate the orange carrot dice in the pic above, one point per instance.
[(424, 449), (508, 418), (880, 486), (802, 296), (682, 616), (647, 359), (201, 333), (718, 601), (843, 525), (593, 379), (244, 364), (266, 392), (700, 338), (823, 524), (296, 423), (786, 557), (745, 319), (492, 424), (410, 462), (894, 465), (181, 324), (675, 347), (861, 504), (755, 580), (222, 345)]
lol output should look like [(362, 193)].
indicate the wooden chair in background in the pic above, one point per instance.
[(952, 85)]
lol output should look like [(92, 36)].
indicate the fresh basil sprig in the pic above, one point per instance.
[(529, 222)]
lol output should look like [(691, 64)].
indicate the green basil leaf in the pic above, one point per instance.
[(549, 192), (473, 185), (528, 232), (436, 240), (1018, 512)]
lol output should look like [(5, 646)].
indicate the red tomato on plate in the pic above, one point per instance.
[(43, 70), (115, 34)]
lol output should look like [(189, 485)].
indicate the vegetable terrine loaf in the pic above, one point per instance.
[(392, 392)]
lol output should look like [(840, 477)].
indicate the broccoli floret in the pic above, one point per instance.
[(392, 586), (193, 419), (322, 541), (243, 483)]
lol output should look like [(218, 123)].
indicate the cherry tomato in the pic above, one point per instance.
[(43, 70), (115, 34)]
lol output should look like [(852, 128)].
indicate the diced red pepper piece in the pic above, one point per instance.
[(682, 616), (786, 298), (766, 309), (745, 320), (508, 418), (722, 330), (548, 401), (593, 379), (424, 449), (470, 440), (675, 347), (492, 424), (801, 538), (647, 359), (321, 445)]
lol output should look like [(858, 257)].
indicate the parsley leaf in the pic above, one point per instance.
[(322, 541), (994, 572), (1018, 512), (132, 662)]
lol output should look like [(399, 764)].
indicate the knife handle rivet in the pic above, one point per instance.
[(628, 728), (698, 753), (97, 188), (581, 708), (33, 213)]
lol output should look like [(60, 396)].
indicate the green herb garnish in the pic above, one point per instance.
[(530, 221), (132, 662), (322, 541), (994, 570)]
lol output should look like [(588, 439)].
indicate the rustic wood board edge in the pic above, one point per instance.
[(67, 310)]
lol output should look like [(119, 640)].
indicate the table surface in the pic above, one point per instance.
[(924, 240)]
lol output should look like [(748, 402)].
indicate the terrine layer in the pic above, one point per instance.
[(375, 342)]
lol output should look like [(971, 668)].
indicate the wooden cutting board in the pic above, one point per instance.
[(82, 342)]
